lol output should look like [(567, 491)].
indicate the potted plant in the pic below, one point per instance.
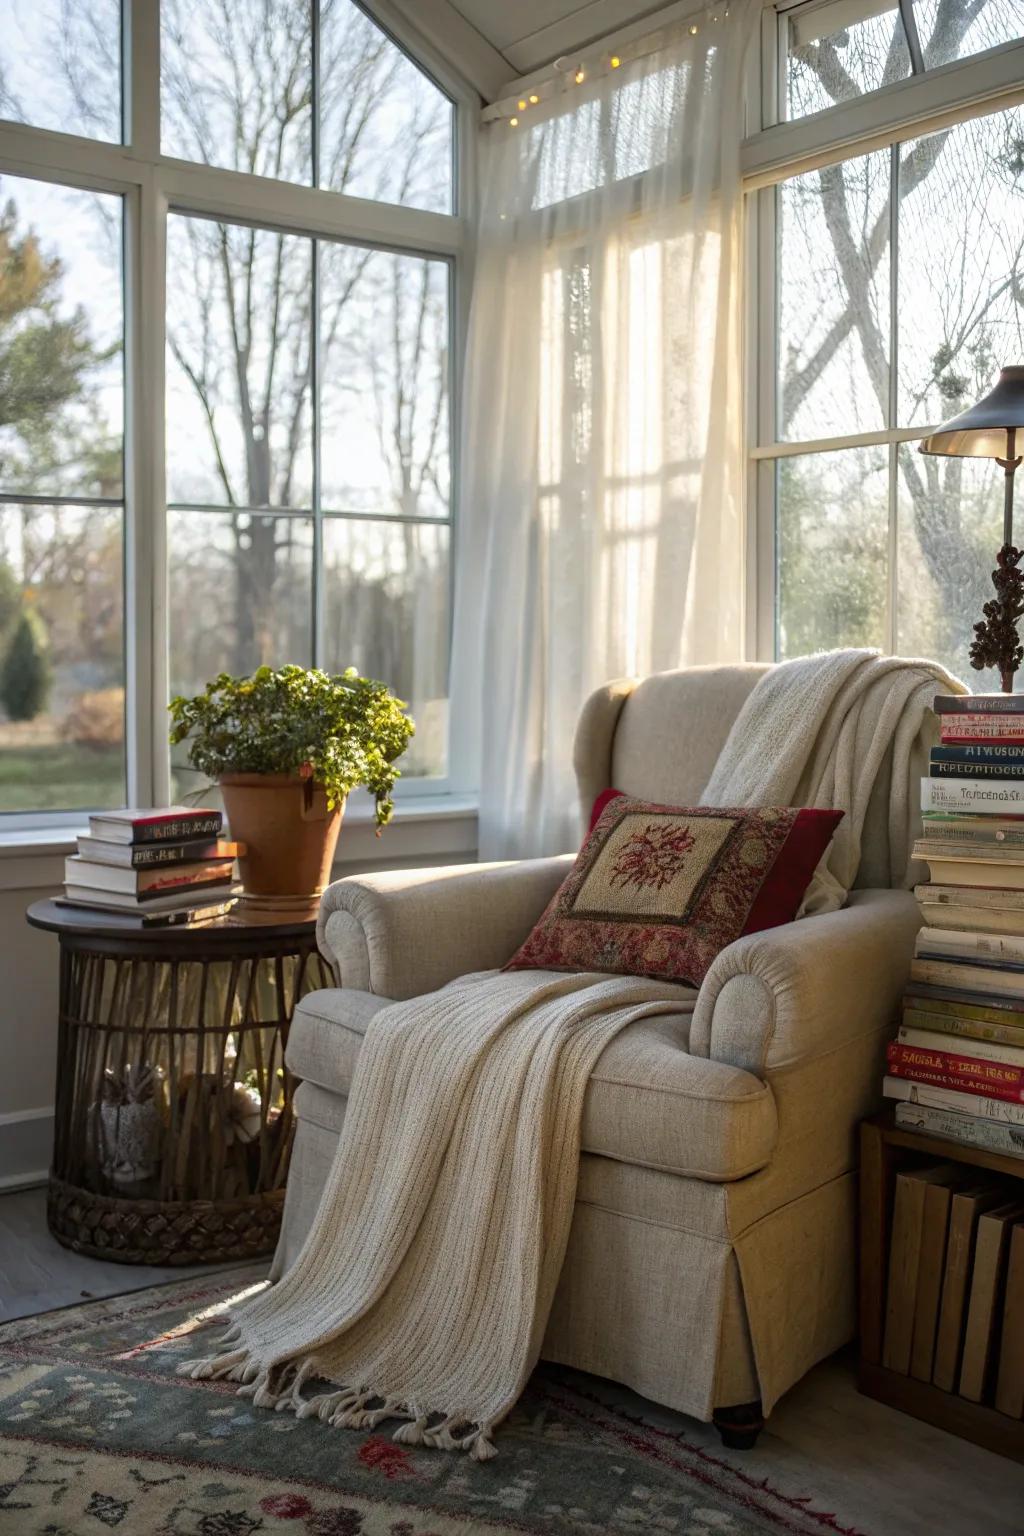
[(286, 747)]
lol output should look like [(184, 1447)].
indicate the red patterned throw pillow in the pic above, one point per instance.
[(659, 890)]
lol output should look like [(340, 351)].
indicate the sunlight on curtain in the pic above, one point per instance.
[(602, 455)]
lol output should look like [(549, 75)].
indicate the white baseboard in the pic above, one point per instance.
[(26, 1137), (12, 1183)]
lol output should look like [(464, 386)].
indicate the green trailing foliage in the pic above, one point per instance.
[(26, 676), (339, 732)]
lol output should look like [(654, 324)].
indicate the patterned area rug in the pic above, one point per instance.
[(98, 1433)]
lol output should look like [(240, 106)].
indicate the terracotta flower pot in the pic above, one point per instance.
[(289, 833)]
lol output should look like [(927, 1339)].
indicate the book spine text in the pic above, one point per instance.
[(988, 1079), (979, 752), (990, 1134), (170, 831), (987, 1106), (958, 769), (978, 703), (960, 1028), (1004, 729), (968, 795)]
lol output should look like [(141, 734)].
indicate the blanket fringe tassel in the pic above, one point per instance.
[(280, 1387)]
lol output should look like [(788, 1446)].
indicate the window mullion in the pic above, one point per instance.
[(145, 531), (927, 103), (314, 124), (145, 520), (892, 587), (764, 478), (913, 37), (141, 56), (319, 649)]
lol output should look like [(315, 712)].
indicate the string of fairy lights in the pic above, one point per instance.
[(514, 110)]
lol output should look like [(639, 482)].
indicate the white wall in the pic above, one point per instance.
[(29, 965)]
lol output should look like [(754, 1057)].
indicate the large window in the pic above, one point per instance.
[(248, 433), (837, 50), (60, 65), (61, 498), (898, 293), (310, 505), (305, 92)]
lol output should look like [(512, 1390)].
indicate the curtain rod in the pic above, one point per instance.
[(574, 70)]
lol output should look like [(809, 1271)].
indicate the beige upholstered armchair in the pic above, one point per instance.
[(711, 1261)]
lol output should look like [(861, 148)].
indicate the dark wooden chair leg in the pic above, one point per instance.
[(739, 1426)]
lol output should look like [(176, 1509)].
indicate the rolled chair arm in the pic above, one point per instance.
[(784, 996), (403, 932)]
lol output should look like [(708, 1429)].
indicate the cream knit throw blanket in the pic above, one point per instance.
[(424, 1286), (818, 731)]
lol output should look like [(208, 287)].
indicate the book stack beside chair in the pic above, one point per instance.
[(153, 868), (954, 1290), (956, 1067)]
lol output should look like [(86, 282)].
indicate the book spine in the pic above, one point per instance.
[(962, 975), (184, 915), (968, 920), (971, 835), (982, 729), (154, 855), (146, 855), (191, 888), (976, 897), (973, 962), (973, 1131), (958, 769), (987, 1079), (985, 1106), (170, 831), (958, 1028), (977, 874), (978, 704), (979, 752), (965, 1050), (180, 876), (967, 795), (168, 919), (952, 943), (943, 850), (995, 1009), (149, 855)]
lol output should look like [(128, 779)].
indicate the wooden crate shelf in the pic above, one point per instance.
[(885, 1149)]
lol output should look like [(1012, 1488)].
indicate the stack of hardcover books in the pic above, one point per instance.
[(956, 1067), (153, 867)]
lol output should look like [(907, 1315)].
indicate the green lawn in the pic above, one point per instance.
[(60, 777)]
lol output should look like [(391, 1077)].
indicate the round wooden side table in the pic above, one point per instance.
[(173, 1104)]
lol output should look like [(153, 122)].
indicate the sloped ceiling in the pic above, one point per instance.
[(531, 33), (491, 43), (515, 37)]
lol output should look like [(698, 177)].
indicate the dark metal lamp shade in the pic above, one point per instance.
[(983, 431)]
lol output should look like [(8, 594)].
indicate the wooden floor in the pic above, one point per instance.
[(876, 1471), (37, 1274)]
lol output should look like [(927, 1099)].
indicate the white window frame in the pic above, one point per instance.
[(152, 185), (774, 152)]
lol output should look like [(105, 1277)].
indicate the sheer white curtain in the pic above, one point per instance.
[(600, 531)]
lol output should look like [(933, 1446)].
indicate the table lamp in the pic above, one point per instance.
[(988, 430)]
